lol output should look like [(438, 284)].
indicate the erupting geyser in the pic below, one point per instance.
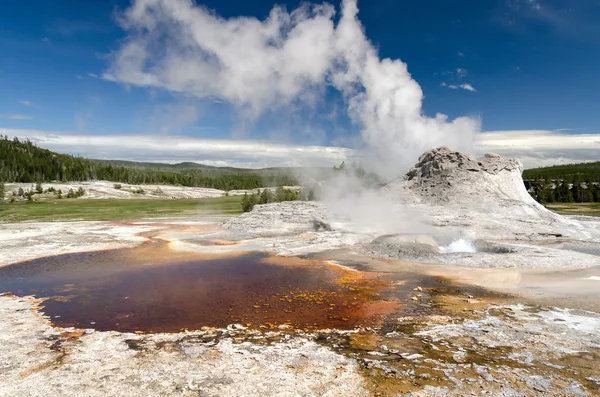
[(286, 62)]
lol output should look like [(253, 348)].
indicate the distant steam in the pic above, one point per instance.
[(286, 60)]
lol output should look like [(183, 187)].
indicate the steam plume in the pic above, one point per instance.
[(287, 59)]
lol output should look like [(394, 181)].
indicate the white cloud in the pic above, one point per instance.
[(15, 116), (286, 60), (534, 148), (155, 148), (27, 103), (464, 86), (93, 75), (537, 148), (460, 54), (460, 72), (468, 87)]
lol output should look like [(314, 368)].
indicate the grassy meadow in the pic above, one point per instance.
[(592, 209), (115, 209)]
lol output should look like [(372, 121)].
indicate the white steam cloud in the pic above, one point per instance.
[(289, 59)]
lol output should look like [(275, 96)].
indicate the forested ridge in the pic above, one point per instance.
[(23, 161), (582, 171), (579, 183)]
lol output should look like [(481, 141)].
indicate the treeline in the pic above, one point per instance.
[(22, 194), (368, 179), (570, 183), (583, 171), (281, 194), (23, 161), (566, 191)]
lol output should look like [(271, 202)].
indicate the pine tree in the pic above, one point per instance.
[(246, 203), (266, 197), (280, 194)]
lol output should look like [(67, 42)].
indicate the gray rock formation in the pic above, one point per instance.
[(442, 175), (402, 246), (447, 195)]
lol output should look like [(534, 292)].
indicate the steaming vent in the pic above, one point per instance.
[(460, 245), (465, 245)]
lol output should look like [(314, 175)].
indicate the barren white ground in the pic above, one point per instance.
[(108, 190), (495, 213)]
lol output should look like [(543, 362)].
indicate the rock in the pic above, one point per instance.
[(403, 246), (319, 225), (445, 175)]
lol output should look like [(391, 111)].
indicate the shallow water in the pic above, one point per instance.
[(150, 289)]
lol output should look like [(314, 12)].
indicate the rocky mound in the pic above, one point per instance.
[(280, 218), (484, 198), (447, 194), (405, 246), (442, 176)]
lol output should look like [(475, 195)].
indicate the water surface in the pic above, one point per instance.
[(151, 289)]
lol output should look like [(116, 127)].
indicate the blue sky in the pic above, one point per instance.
[(517, 65)]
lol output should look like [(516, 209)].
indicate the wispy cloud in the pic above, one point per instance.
[(457, 74), (154, 148), (534, 148), (535, 4), (464, 86), (15, 116), (93, 75), (27, 103), (455, 80)]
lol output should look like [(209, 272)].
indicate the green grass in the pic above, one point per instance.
[(115, 209), (592, 209)]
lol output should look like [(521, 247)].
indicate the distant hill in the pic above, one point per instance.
[(580, 171), (23, 161), (188, 165)]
